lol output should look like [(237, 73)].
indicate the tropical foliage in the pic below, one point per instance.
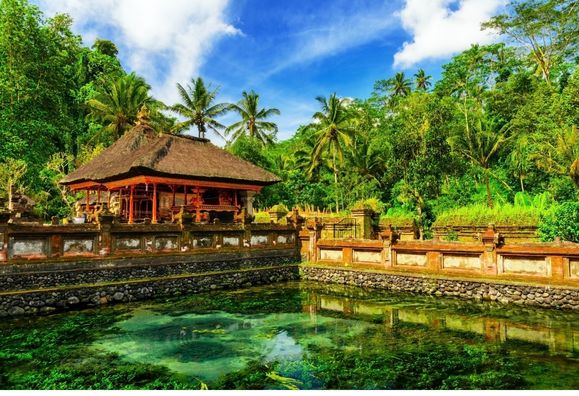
[(198, 108), (253, 120), (500, 120)]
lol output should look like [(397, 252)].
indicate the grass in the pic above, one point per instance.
[(481, 215), (397, 218)]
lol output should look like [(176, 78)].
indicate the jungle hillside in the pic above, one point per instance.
[(494, 139)]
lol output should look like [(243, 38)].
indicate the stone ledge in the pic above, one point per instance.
[(480, 290), (60, 299), (457, 275)]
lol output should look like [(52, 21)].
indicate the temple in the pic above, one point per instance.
[(146, 176)]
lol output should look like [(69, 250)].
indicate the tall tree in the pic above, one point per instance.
[(421, 80), (37, 58), (333, 130), (480, 142), (400, 85), (558, 153), (105, 47), (253, 120), (547, 28), (199, 109), (118, 103), (12, 172)]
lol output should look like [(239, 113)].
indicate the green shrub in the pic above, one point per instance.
[(279, 208), (262, 217), (397, 217), (370, 203), (562, 221), (451, 236)]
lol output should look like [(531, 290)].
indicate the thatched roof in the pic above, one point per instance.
[(141, 151)]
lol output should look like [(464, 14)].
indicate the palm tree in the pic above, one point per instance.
[(333, 130), (480, 143), (422, 80), (252, 121), (117, 104), (400, 85), (558, 153), (199, 109)]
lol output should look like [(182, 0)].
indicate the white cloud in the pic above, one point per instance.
[(342, 26), (438, 31), (175, 35)]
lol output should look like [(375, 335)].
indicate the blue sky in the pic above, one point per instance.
[(288, 51)]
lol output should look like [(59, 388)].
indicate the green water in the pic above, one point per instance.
[(294, 335)]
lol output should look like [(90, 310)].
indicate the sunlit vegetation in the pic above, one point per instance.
[(501, 120)]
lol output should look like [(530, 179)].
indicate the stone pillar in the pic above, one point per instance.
[(434, 261), (363, 219), (490, 240), (388, 237), (55, 242), (557, 267), (247, 199), (347, 256), (105, 239), (315, 232)]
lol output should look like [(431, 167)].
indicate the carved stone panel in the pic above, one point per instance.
[(202, 240), (167, 243), (413, 259), (331, 254), (74, 246), (574, 268), (258, 240), (525, 265), (27, 247), (128, 243), (229, 241), (285, 239), (360, 256), (461, 262)]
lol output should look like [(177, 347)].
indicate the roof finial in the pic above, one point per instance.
[(143, 116)]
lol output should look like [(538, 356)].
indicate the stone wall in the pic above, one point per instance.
[(42, 287), (490, 258), (56, 274), (75, 297), (512, 293)]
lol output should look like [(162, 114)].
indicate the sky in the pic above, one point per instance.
[(288, 51)]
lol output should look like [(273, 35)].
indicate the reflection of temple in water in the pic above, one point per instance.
[(557, 339)]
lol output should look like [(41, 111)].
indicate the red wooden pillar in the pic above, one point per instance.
[(131, 204), (198, 206), (109, 200), (99, 196), (173, 187), (154, 220), (185, 188), (87, 200)]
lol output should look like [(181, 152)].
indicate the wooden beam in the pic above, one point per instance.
[(83, 185), (181, 182)]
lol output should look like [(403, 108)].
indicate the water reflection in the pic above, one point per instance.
[(557, 336), (207, 336)]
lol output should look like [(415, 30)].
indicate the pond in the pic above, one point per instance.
[(296, 335)]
